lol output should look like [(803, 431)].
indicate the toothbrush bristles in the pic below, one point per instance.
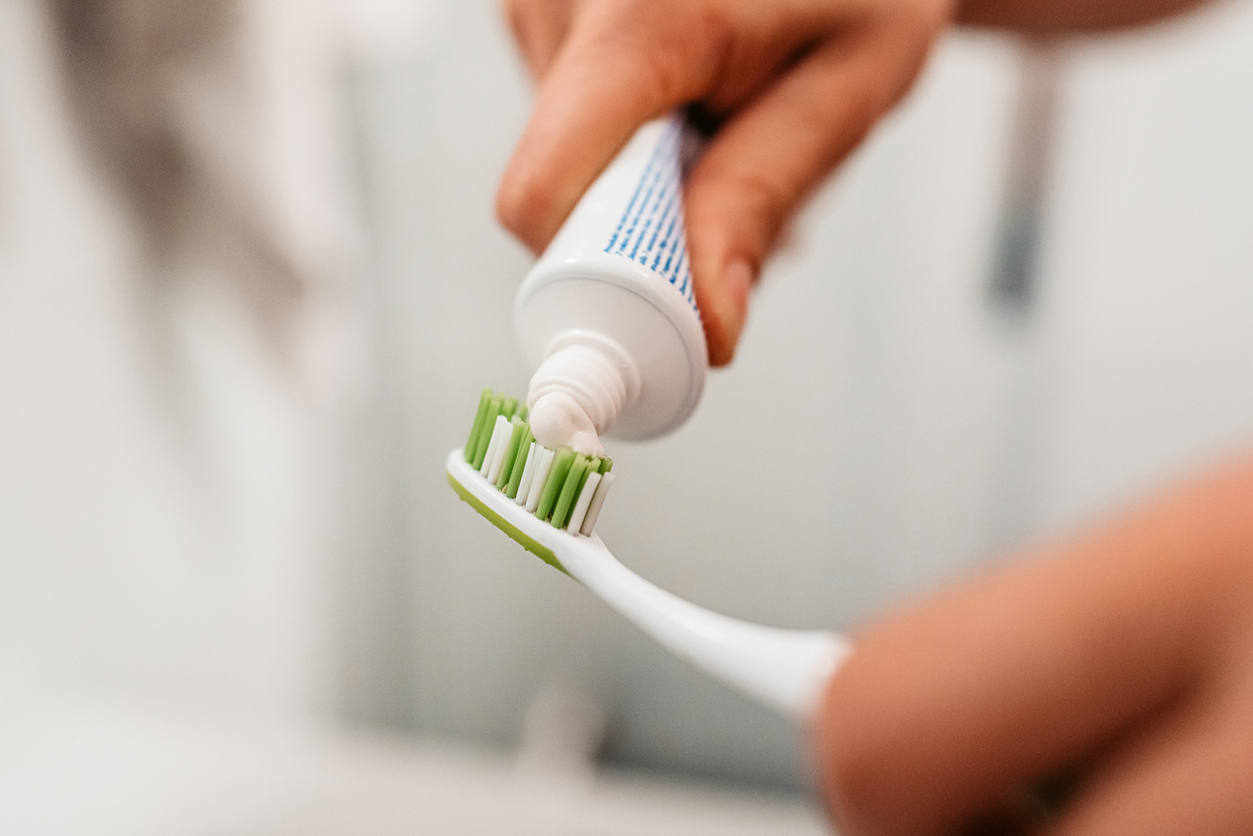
[(561, 486), (496, 449), (579, 513), (598, 502), (517, 464), (541, 476), (517, 430), (528, 473)]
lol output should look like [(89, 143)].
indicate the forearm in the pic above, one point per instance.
[(1110, 656), (1056, 16)]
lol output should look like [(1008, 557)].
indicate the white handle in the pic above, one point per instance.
[(784, 669)]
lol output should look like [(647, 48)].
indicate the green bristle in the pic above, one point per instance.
[(569, 491), (556, 478), (606, 465), (508, 407), (511, 453), (480, 418), (485, 437), (519, 464), (593, 466), (522, 410)]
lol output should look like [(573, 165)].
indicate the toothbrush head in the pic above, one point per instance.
[(515, 482), (509, 518), (548, 500)]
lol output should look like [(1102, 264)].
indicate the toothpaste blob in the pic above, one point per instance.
[(577, 393), (558, 421), (562, 486)]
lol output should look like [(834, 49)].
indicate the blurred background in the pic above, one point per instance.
[(250, 287)]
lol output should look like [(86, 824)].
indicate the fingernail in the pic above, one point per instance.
[(737, 281)]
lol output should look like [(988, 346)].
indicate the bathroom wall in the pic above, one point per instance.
[(173, 427), (885, 425), (188, 516)]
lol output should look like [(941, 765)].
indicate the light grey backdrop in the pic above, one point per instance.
[(884, 427)]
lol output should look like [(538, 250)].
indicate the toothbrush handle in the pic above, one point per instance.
[(786, 670)]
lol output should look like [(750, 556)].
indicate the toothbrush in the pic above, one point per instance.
[(549, 500)]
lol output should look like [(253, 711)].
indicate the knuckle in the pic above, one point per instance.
[(661, 74), (653, 72), (661, 48)]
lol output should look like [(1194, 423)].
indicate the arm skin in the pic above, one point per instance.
[(1060, 16), (1121, 657)]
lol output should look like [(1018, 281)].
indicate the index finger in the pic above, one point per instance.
[(539, 28), (615, 71)]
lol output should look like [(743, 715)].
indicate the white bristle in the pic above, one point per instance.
[(502, 451), (541, 476), (490, 451), (528, 473), (598, 502), (579, 512), (496, 448)]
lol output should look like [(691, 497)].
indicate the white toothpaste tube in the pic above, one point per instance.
[(608, 316)]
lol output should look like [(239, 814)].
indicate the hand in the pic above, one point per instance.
[(1120, 662), (795, 85)]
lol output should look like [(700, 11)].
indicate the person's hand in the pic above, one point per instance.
[(1113, 672), (795, 85)]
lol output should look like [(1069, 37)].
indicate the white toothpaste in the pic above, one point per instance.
[(558, 421)]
